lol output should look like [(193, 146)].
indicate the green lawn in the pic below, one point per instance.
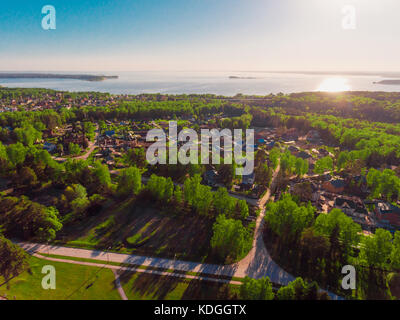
[(75, 282), (144, 286), (144, 230)]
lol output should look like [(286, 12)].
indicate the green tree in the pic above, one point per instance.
[(323, 164), (129, 182), (337, 221), (375, 250), (395, 254), (230, 238), (16, 153), (286, 293), (13, 259), (253, 289)]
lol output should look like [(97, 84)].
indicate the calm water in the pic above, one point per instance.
[(208, 82)]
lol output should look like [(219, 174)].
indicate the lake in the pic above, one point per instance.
[(219, 83)]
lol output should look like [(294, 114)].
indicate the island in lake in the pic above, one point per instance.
[(237, 77), (86, 77), (389, 82)]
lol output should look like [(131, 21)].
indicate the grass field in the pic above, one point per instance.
[(142, 286), (78, 282), (128, 228), (74, 282)]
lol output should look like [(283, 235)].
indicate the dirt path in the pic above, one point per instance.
[(118, 284)]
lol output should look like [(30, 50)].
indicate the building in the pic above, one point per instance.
[(291, 135), (211, 178), (249, 179), (386, 213), (334, 185), (50, 147)]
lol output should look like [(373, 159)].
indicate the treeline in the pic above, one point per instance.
[(298, 289)]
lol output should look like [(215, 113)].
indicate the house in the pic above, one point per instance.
[(249, 179), (50, 147), (291, 134), (387, 213), (109, 133), (211, 177), (334, 185), (270, 145), (293, 149), (304, 155), (350, 206), (313, 136), (261, 141)]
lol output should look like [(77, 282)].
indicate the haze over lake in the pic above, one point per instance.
[(221, 83)]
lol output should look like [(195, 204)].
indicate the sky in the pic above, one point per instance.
[(200, 35)]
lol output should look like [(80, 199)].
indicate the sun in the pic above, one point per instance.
[(334, 85)]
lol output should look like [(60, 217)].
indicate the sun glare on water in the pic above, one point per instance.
[(334, 85)]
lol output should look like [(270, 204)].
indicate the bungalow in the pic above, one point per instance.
[(387, 213), (211, 177), (313, 136), (50, 147), (291, 134), (351, 206), (270, 144), (109, 133), (248, 179), (334, 185), (304, 155)]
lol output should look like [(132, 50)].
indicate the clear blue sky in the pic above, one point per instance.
[(130, 35)]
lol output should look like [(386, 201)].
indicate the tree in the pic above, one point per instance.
[(375, 250), (169, 189), (263, 175), (26, 177), (156, 186), (77, 196), (16, 153), (286, 293), (178, 195), (129, 182), (102, 176), (348, 231), (20, 217), (274, 156), (230, 238), (288, 219), (243, 209), (253, 289), (226, 173), (323, 164), (198, 196), (27, 135), (73, 148), (3, 158), (395, 254), (301, 166), (223, 203), (13, 259)]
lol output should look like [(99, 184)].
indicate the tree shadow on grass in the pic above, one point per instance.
[(149, 285)]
